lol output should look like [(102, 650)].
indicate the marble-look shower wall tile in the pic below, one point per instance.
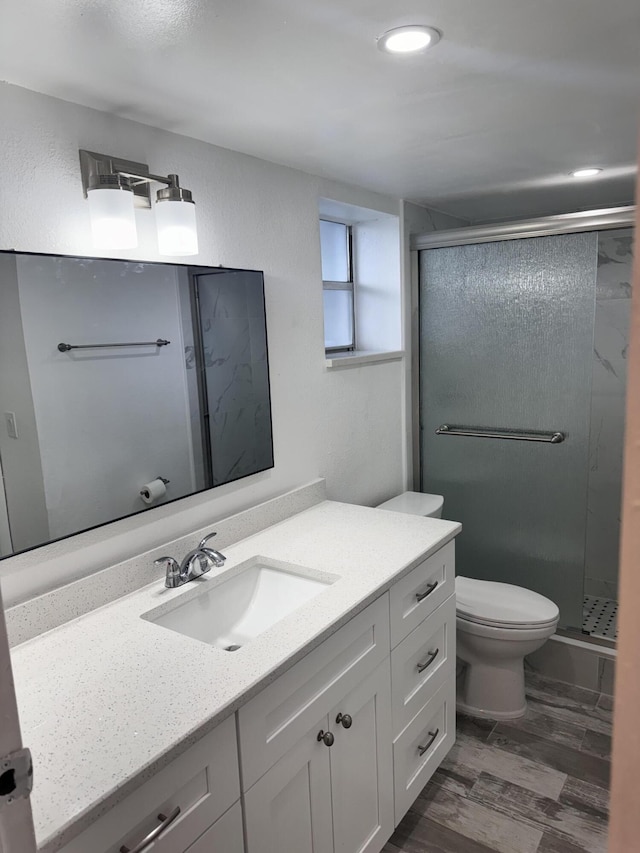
[(229, 386), (234, 450), (264, 445), (610, 344), (255, 296), (258, 334), (615, 256), (600, 588), (226, 339), (260, 381), (611, 340), (228, 299), (236, 374)]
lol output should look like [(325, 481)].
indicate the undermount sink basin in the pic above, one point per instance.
[(232, 613)]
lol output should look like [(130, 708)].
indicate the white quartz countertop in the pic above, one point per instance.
[(106, 700)]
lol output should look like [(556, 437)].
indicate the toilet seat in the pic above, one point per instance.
[(506, 626), (503, 605)]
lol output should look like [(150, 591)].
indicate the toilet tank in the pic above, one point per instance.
[(415, 503)]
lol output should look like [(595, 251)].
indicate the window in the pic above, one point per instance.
[(337, 283), (362, 295)]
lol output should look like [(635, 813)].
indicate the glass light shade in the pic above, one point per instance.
[(177, 231), (113, 219)]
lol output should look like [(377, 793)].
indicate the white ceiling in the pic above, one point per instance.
[(486, 125)]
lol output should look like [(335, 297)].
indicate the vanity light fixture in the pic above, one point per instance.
[(114, 187), (410, 39), (176, 220), (111, 208), (589, 172)]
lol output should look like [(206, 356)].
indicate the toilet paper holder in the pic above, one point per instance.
[(145, 491)]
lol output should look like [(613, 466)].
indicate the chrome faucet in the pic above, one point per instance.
[(195, 564)]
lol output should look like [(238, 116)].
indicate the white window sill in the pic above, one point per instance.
[(358, 357)]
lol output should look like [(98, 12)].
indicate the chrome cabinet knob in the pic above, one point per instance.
[(326, 737), (344, 720)]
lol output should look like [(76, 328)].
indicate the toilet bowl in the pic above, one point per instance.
[(497, 625)]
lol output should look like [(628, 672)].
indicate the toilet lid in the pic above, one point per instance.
[(502, 604), (414, 503)]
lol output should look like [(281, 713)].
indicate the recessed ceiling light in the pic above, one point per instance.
[(591, 172), (411, 39)]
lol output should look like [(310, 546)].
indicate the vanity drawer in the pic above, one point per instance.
[(420, 592), (271, 723), (203, 783), (432, 732), (422, 662)]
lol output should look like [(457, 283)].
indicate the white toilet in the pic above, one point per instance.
[(497, 625)]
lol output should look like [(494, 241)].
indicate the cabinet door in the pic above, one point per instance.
[(362, 766), (280, 715), (225, 836), (289, 808)]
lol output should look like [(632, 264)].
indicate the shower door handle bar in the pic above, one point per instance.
[(513, 435), (161, 342)]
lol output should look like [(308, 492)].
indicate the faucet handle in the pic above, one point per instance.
[(215, 556), (172, 577), (206, 539)]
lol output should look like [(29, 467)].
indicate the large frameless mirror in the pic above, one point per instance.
[(124, 385)]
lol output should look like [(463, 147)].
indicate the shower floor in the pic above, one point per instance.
[(600, 617)]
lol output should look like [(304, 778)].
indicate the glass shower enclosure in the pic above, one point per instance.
[(522, 342)]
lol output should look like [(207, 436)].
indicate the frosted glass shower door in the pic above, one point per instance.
[(506, 337)]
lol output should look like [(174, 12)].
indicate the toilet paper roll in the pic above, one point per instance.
[(153, 491)]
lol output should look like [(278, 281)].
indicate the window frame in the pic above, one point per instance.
[(348, 286)]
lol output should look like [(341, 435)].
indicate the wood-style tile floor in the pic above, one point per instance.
[(535, 785)]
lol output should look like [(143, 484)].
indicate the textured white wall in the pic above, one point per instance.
[(347, 426)]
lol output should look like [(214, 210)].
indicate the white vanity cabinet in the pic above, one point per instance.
[(225, 836), (423, 674), (328, 757), (202, 783), (312, 785), (290, 807), (362, 766), (331, 791)]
